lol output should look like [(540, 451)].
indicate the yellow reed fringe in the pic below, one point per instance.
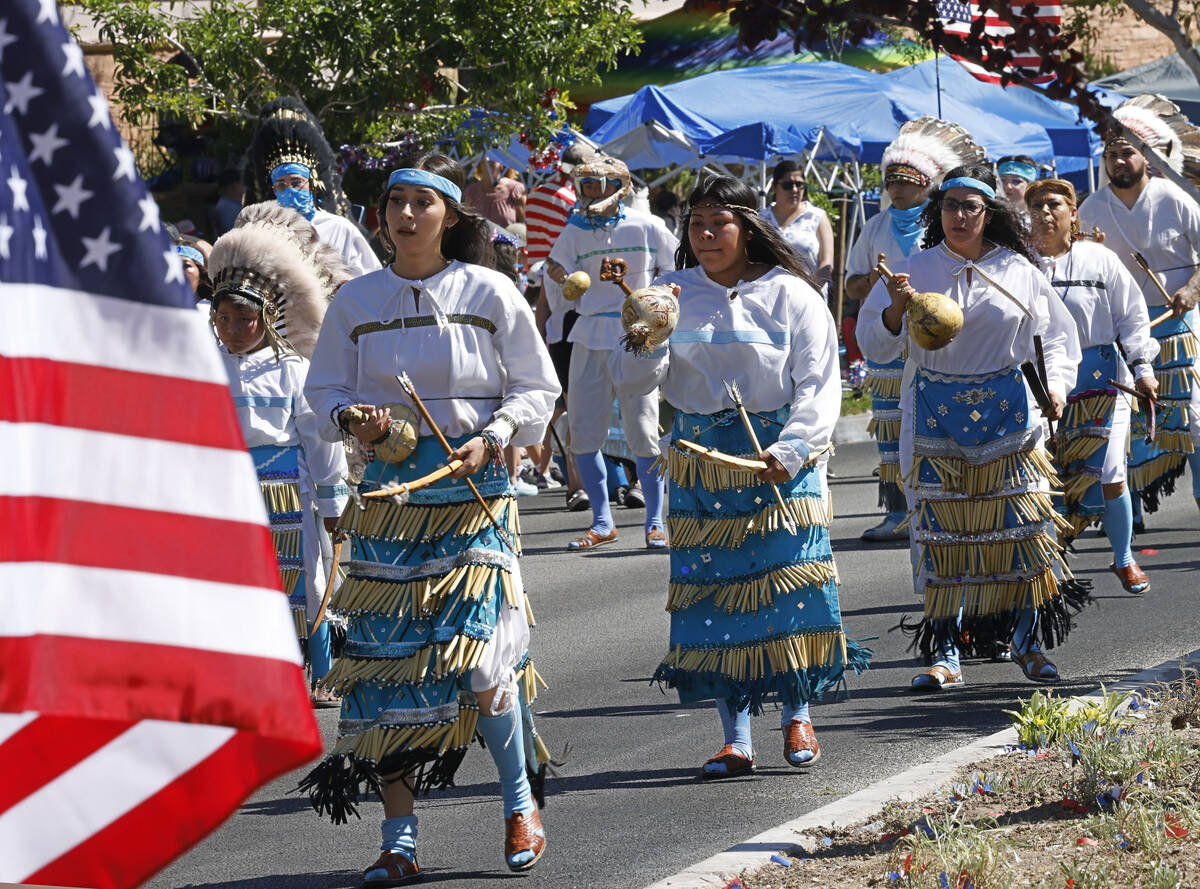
[(889, 473), (383, 520), (1001, 557), (685, 469), (1180, 345), (1076, 486), (439, 660), (884, 430), (528, 680), (300, 619), (1080, 449), (287, 543), (1177, 440), (289, 577), (281, 496), (750, 595), (956, 475), (1175, 382), (986, 514), (424, 597), (731, 533), (1078, 523), (883, 387), (749, 662), (379, 742), (1146, 474), (989, 597)]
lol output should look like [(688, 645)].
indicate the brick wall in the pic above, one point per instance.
[(1124, 42)]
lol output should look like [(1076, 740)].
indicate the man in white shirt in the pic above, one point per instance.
[(1149, 218)]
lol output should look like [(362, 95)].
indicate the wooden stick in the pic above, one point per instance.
[(614, 270), (1145, 267), (408, 387), (736, 396), (712, 455), (1161, 318), (423, 482), (337, 557)]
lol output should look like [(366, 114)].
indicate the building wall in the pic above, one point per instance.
[(1123, 42)]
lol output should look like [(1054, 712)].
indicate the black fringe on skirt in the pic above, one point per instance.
[(1158, 490)]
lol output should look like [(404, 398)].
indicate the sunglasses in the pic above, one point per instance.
[(792, 185), (592, 180)]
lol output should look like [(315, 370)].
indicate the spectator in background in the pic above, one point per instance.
[(1016, 172), (229, 201), (495, 196), (804, 225), (665, 205)]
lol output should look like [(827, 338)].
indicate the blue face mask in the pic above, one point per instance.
[(298, 199)]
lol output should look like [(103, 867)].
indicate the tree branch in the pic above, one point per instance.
[(1169, 26)]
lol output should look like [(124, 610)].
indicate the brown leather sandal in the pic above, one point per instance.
[(797, 737), (936, 678), (1132, 578), (396, 869), (524, 833), (1032, 663), (735, 764), (590, 540)]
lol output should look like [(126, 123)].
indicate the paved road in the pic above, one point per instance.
[(628, 809)]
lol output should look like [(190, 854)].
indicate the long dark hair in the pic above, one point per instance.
[(784, 169), (764, 243), (1004, 228), (470, 239)]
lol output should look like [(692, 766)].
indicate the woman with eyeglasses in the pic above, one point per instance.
[(804, 225), (977, 477)]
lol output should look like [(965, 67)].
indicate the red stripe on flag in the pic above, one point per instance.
[(98, 535), (102, 399), (138, 845), (114, 680), (47, 747)]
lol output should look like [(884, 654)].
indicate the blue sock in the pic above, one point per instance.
[(1024, 638), (318, 650), (595, 481), (790, 713), (1118, 525), (507, 746), (399, 835), (737, 733), (1193, 463), (652, 489)]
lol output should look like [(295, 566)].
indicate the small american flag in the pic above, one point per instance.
[(151, 678), (958, 17)]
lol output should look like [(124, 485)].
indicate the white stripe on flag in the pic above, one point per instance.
[(86, 798), (11, 723), (96, 603), (37, 321), (122, 470)]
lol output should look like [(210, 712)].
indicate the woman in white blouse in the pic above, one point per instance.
[(804, 225), (753, 602), (436, 648)]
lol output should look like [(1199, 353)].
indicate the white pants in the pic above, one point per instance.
[(590, 393), (1115, 455)]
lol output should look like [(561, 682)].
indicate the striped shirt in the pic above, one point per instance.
[(546, 212)]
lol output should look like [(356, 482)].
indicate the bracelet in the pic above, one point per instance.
[(495, 450)]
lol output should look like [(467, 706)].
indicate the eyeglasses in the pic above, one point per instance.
[(792, 185), (968, 208), (592, 180)]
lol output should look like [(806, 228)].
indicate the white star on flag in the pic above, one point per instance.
[(174, 266), (70, 197), (47, 11), (6, 233), (18, 185), (5, 37), (45, 144), (149, 208), (39, 239), (74, 54), (98, 250), (125, 166), (100, 115), (20, 92)]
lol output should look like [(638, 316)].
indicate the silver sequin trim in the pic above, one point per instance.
[(432, 568), (413, 716)]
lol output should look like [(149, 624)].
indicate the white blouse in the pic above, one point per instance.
[(998, 329), (801, 232), (466, 338), (773, 336), (1105, 302), (268, 394)]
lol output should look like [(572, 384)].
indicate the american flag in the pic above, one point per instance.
[(958, 16), (150, 677)]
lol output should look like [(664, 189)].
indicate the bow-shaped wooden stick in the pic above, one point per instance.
[(1145, 267), (735, 395)]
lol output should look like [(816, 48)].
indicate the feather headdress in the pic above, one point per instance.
[(929, 147), (289, 133), (272, 255), (1159, 123)]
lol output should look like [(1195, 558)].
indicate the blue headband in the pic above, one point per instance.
[(1025, 171), (189, 252), (412, 176), (968, 182), (288, 169)]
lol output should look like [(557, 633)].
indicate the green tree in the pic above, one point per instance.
[(371, 71)]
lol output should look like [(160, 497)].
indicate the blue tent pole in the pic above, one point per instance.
[(937, 71)]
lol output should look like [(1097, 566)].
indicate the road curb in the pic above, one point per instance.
[(716, 872)]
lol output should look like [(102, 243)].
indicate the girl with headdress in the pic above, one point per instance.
[(272, 284), (1115, 337), (975, 472), (754, 604), (437, 644)]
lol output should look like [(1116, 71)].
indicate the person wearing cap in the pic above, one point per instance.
[(1016, 171), (1152, 218), (986, 559), (1115, 338), (438, 635)]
